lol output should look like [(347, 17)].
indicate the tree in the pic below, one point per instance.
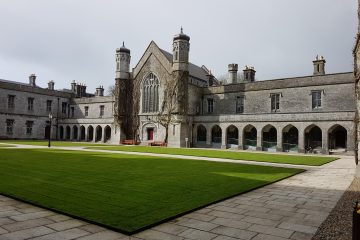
[(169, 108), (111, 91)]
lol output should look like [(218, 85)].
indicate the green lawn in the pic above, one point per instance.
[(236, 155), (53, 143), (5, 145), (125, 192)]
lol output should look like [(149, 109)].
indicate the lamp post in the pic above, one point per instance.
[(50, 118)]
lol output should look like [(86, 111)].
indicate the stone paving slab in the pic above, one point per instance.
[(289, 209)]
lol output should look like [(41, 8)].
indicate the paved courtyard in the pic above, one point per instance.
[(293, 208)]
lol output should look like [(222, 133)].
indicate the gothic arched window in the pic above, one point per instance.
[(150, 94)]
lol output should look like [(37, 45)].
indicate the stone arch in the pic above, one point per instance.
[(82, 133), (250, 137), (232, 136), (67, 132), (98, 133), (107, 132), (269, 138), (337, 138), (75, 133), (90, 133), (201, 134), (290, 138), (149, 132), (216, 133), (61, 133), (313, 138)]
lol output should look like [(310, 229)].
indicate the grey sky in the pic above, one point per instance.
[(63, 40)]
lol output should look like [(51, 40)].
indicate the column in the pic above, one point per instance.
[(325, 145), (208, 137), (71, 133), (301, 141), (223, 138), (103, 135), (240, 139), (259, 140), (279, 140), (350, 140)]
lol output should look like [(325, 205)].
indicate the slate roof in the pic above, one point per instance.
[(194, 70)]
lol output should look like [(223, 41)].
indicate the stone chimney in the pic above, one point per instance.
[(32, 80), (319, 65), (51, 85), (249, 74), (99, 91), (73, 86), (233, 69)]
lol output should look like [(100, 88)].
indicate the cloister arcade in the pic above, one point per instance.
[(322, 137), (85, 133)]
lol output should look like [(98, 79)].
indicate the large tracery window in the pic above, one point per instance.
[(150, 94)]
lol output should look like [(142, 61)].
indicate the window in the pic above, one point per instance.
[(240, 104), (316, 99), (9, 126), (63, 107), (29, 127), (72, 112), (48, 105), (275, 102), (210, 105), (30, 104), (150, 94), (102, 110), (174, 129), (11, 101), (86, 111)]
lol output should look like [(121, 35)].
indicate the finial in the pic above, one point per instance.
[(322, 57), (317, 57), (123, 44), (181, 30)]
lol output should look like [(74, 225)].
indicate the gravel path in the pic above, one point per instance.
[(338, 225)]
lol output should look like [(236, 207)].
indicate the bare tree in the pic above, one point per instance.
[(111, 90), (169, 108)]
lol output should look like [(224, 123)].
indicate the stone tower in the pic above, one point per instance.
[(123, 92), (180, 76), (319, 65)]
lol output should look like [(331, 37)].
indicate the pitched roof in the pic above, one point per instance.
[(194, 70)]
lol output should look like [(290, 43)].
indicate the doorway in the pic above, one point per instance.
[(150, 134)]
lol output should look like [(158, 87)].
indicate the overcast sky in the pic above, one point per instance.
[(63, 40)]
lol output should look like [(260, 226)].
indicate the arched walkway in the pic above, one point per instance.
[(313, 139), (201, 136), (250, 137), (90, 133), (107, 131), (290, 139), (98, 134), (75, 133), (232, 136), (269, 138), (61, 133), (68, 132), (82, 133), (337, 138), (216, 136)]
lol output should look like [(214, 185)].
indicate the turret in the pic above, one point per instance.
[(233, 69), (122, 62), (181, 48), (319, 65), (73, 86), (249, 74), (99, 91)]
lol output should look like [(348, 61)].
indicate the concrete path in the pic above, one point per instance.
[(290, 209)]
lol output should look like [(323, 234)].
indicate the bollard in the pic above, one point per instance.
[(356, 222)]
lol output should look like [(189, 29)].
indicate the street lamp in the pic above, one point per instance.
[(50, 118)]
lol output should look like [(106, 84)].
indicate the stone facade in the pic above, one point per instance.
[(356, 54), (166, 96)]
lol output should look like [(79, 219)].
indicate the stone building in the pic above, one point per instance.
[(165, 96), (356, 54)]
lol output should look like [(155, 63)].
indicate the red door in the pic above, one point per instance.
[(150, 133)]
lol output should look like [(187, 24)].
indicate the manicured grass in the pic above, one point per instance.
[(236, 155), (53, 143), (125, 192)]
